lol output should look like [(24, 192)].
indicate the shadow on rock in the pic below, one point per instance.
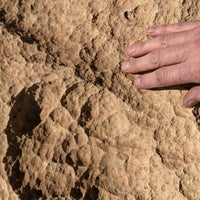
[(23, 118), (196, 113)]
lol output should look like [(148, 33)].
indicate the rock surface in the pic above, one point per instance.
[(72, 125)]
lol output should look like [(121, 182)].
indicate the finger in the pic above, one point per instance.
[(166, 76), (155, 59), (173, 28), (160, 42), (192, 97)]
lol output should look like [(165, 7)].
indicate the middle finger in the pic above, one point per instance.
[(156, 59)]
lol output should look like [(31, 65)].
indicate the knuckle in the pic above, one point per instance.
[(155, 58), (184, 74), (195, 44), (184, 47), (134, 65), (163, 27), (162, 77), (195, 91), (193, 73), (195, 33), (164, 39), (192, 47), (179, 25), (141, 45)]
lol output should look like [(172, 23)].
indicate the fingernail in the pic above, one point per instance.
[(191, 103), (151, 30), (137, 82), (125, 65), (131, 50)]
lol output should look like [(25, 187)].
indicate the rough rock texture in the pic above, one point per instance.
[(72, 125)]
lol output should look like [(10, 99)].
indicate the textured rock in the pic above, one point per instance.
[(72, 125)]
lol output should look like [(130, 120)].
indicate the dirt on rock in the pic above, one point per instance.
[(72, 125)]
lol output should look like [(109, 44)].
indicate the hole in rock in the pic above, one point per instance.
[(25, 113), (32, 194), (196, 113), (76, 193), (23, 118), (92, 194)]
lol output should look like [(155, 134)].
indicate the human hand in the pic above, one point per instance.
[(171, 57)]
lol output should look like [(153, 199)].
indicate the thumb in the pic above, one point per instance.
[(192, 97)]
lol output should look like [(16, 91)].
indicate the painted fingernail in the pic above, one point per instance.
[(137, 82), (191, 103), (131, 50), (125, 65)]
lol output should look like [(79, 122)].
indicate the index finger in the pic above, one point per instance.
[(163, 41), (173, 28)]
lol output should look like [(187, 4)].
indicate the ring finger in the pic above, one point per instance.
[(167, 76)]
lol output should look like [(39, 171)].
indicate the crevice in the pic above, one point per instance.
[(29, 193), (85, 114), (23, 118), (181, 188), (196, 114), (99, 83), (14, 30), (159, 154), (69, 90), (92, 193), (76, 193)]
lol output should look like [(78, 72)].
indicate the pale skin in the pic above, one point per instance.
[(170, 57)]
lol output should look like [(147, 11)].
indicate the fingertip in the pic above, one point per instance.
[(125, 66), (154, 31), (184, 104), (137, 83), (151, 30), (131, 50), (190, 103), (192, 98), (184, 101)]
